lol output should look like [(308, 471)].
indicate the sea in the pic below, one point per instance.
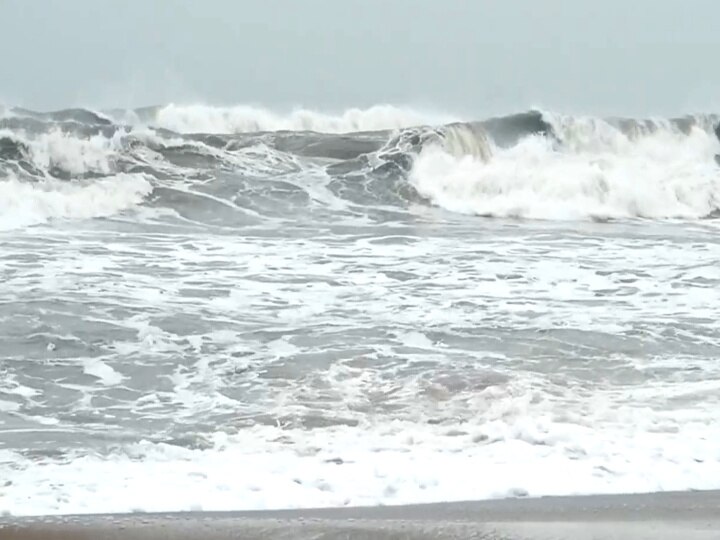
[(236, 308)]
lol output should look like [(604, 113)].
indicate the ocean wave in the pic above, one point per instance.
[(533, 164), (79, 115), (73, 155), (31, 203), (662, 173), (248, 119)]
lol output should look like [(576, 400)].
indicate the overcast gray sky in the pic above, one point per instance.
[(470, 57)]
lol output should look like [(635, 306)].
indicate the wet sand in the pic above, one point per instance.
[(657, 516)]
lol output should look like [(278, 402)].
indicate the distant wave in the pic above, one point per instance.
[(247, 119), (83, 116)]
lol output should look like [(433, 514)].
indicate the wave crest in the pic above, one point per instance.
[(248, 119), (663, 174), (32, 203)]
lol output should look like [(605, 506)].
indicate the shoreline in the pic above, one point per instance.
[(690, 515)]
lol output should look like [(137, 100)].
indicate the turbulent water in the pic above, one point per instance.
[(228, 308)]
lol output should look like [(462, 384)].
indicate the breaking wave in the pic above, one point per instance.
[(533, 164), (591, 168), (25, 203), (249, 119)]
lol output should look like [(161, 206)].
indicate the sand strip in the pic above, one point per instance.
[(658, 516)]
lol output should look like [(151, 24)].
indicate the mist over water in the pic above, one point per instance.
[(474, 60), (208, 307)]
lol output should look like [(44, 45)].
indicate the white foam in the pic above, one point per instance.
[(72, 154), (519, 447), (662, 175), (246, 118), (29, 203), (105, 373), (471, 424)]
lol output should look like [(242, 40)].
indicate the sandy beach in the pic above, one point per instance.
[(657, 516)]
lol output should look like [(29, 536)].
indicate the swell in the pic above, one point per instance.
[(81, 116)]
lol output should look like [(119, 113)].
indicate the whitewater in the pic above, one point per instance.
[(231, 308)]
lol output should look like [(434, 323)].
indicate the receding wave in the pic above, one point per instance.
[(253, 162)]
